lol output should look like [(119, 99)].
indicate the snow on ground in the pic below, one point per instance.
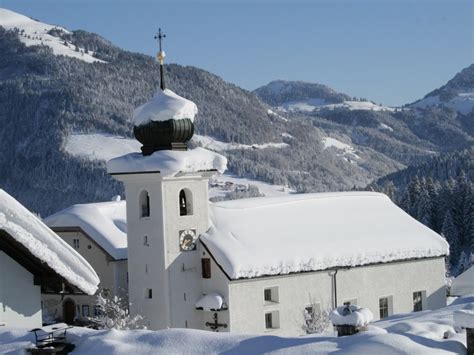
[(103, 146), (347, 150), (221, 185), (219, 146), (165, 105), (44, 244), (384, 127), (100, 146), (316, 104), (270, 112), (34, 33), (462, 102), (169, 162), (105, 222), (241, 231), (421, 333)]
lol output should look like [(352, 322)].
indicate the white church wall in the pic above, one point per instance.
[(184, 267), (20, 299), (364, 285), (219, 283), (146, 259), (395, 281), (295, 292)]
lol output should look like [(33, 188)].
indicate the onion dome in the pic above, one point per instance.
[(166, 121)]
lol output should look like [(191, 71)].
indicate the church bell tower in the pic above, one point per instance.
[(166, 188)]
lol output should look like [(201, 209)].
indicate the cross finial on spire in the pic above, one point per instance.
[(161, 57), (160, 37)]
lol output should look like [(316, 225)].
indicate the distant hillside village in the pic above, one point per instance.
[(170, 258)]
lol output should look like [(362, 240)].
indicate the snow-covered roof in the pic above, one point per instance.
[(164, 105), (104, 222), (463, 284), (44, 244), (169, 162), (308, 232), (211, 302)]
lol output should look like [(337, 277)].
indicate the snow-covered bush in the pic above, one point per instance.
[(316, 320), (113, 313)]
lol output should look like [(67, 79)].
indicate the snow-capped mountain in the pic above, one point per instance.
[(300, 96), (35, 33), (61, 116), (457, 93)]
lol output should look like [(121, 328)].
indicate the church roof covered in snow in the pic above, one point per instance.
[(463, 284), (168, 162), (308, 232), (41, 242), (104, 222), (164, 105)]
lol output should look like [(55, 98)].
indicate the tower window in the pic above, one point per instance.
[(76, 243), (145, 241), (144, 202), (206, 268), (149, 293), (185, 203)]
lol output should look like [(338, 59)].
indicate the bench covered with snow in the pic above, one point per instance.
[(51, 335)]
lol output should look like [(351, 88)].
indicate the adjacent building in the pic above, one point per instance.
[(33, 259)]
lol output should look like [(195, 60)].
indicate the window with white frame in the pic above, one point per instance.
[(272, 320), (270, 295), (418, 297), (383, 307)]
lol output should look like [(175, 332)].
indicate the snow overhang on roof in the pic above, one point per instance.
[(103, 222), (309, 232), (29, 231), (168, 162), (163, 106)]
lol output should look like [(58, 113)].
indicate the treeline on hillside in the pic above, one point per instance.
[(440, 194)]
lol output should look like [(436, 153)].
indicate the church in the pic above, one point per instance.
[(258, 265)]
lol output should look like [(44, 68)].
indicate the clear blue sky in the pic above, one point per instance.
[(392, 52)]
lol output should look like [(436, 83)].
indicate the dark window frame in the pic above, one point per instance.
[(417, 301), (206, 268), (268, 320), (383, 307)]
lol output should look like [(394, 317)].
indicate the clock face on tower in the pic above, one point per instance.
[(187, 239)]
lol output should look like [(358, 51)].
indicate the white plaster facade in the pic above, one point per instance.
[(112, 274), (20, 299), (175, 277)]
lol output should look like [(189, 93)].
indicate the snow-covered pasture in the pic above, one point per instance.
[(35, 33), (428, 332)]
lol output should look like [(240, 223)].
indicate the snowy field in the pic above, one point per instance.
[(35, 33), (428, 332), (347, 152), (463, 102), (102, 146), (317, 104)]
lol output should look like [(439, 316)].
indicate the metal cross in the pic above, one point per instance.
[(160, 37)]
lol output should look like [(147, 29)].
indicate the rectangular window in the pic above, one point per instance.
[(268, 321), (97, 311), (272, 320), (76, 243), (270, 295), (149, 293), (417, 301), (85, 310), (145, 241), (383, 307), (206, 268)]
